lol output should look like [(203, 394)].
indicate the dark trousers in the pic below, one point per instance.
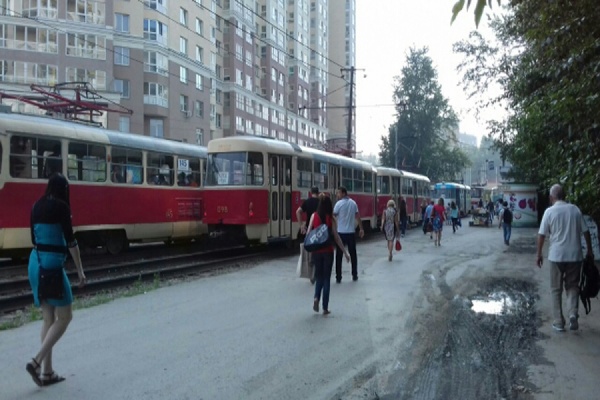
[(403, 221), (323, 264), (348, 239)]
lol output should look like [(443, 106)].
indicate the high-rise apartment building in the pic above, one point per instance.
[(189, 70), (342, 61)]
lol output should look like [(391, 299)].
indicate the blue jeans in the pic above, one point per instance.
[(323, 265), (506, 228)]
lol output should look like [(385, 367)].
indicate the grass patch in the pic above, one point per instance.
[(32, 313)]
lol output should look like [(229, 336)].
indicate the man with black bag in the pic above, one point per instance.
[(563, 224)]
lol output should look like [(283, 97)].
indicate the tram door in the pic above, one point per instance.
[(280, 197)]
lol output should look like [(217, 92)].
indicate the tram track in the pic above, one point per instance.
[(15, 293)]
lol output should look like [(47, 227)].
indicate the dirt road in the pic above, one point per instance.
[(480, 329)]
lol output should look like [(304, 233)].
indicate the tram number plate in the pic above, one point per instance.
[(222, 210)]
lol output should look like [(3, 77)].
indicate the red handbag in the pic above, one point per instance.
[(398, 245)]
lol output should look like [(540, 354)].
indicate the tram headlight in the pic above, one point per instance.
[(251, 210)]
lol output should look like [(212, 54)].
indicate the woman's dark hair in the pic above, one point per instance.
[(324, 208), (58, 187), (453, 205)]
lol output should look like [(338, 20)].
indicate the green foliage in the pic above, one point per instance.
[(479, 7), (547, 62), (422, 139)]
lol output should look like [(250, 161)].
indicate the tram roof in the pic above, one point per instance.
[(412, 175), (44, 126), (388, 171), (269, 145), (450, 185)]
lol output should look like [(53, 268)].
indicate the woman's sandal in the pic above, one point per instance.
[(33, 368), (51, 378)]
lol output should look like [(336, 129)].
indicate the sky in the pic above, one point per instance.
[(385, 30)]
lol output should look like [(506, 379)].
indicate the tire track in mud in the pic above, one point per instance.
[(456, 353)]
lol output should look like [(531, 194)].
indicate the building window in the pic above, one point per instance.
[(82, 45), (156, 62), (121, 55), (218, 120), (183, 16), (95, 77), (87, 11), (199, 82), (199, 27), (182, 74), (199, 108), (121, 86), (156, 94), (182, 45), (200, 136), (200, 54), (155, 30), (156, 128), (124, 123), (183, 103), (122, 23)]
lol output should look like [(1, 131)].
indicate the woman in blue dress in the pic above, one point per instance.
[(52, 237)]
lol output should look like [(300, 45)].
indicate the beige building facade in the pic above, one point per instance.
[(188, 70)]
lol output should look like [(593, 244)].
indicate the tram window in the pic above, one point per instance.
[(409, 187), (274, 172), (274, 204), (255, 170), (304, 173), (368, 182), (288, 171), (225, 169), (28, 153), (384, 184), (126, 166), (358, 180), (86, 162), (188, 172), (347, 179), (320, 175), (159, 169)]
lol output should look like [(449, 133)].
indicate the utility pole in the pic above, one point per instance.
[(350, 106)]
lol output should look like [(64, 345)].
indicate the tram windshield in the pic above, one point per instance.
[(240, 168)]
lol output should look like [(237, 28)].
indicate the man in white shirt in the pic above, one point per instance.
[(563, 224), (347, 217)]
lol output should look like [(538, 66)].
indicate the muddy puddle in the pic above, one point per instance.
[(472, 347)]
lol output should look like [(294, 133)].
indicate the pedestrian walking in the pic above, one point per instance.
[(323, 258), (403, 216), (563, 225), (506, 218), (309, 206), (390, 226), (428, 223), (52, 237), (439, 216), (454, 216), (348, 217)]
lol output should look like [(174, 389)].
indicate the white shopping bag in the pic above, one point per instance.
[(304, 268)]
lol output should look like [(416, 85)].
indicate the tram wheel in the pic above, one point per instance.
[(116, 242)]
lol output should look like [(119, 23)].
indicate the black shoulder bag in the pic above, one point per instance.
[(51, 285)]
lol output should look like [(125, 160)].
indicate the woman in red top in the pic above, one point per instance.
[(323, 258), (439, 216)]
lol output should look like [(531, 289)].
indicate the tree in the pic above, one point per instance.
[(481, 4), (425, 126), (549, 79)]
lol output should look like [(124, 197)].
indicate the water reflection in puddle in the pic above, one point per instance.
[(495, 303)]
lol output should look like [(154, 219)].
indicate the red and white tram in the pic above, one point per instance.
[(124, 187), (393, 184), (254, 186)]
